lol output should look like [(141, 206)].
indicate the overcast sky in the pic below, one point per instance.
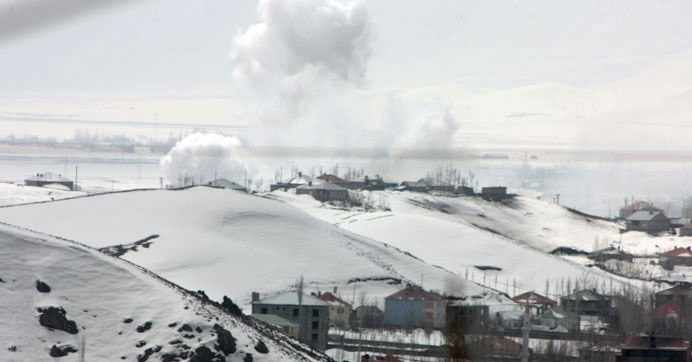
[(534, 73)]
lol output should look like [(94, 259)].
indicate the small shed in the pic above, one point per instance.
[(494, 193), (536, 301), (560, 317), (49, 178)]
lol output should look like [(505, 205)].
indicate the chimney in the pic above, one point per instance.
[(300, 174), (255, 296), (310, 183), (334, 291)]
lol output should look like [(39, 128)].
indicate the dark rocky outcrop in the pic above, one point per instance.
[(42, 287), (225, 340), (54, 318), (261, 347), (248, 357), (204, 354), (141, 344), (127, 320), (231, 307), (61, 351), (144, 327), (147, 353), (185, 328)]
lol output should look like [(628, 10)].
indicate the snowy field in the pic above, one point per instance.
[(230, 243), (108, 299), (460, 233)]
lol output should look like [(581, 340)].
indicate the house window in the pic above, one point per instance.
[(315, 312), (295, 312), (313, 337), (263, 310), (315, 325)]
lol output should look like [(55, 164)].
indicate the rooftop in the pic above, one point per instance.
[(644, 215), (291, 298), (48, 177), (678, 252), (533, 298), (414, 293)]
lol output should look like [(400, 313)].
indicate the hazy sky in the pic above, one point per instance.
[(525, 73)]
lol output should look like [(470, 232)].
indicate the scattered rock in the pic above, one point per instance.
[(248, 357), (140, 344), (225, 340), (127, 320), (144, 327), (12, 349), (61, 351), (54, 318), (199, 329), (204, 354), (147, 353), (188, 336), (2, 281), (261, 347), (42, 287), (175, 341), (185, 328), (172, 325)]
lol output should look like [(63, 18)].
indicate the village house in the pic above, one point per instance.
[(655, 349), (494, 193), (676, 257), (300, 179), (627, 210), (649, 221), (367, 316), (610, 253), (495, 348), (323, 191), (414, 307), (680, 294), (49, 179), (226, 184), (311, 314), (559, 318), (538, 303), (509, 319), (466, 316), (413, 186), (336, 180), (370, 184), (439, 185), (686, 230), (464, 190), (670, 319), (289, 328), (339, 310), (587, 302)]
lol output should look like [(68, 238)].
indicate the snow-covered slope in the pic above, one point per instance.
[(229, 243), (460, 233), (109, 300), (12, 194)]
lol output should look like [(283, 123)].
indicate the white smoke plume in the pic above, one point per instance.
[(199, 157), (299, 51), (420, 130)]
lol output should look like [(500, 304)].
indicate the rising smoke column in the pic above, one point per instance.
[(198, 157), (299, 52)]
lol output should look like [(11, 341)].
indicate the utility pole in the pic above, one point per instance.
[(525, 329), (75, 177)]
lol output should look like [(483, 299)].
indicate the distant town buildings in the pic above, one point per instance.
[(649, 221)]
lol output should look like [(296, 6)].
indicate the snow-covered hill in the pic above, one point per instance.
[(230, 243), (12, 194), (463, 233), (120, 312)]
